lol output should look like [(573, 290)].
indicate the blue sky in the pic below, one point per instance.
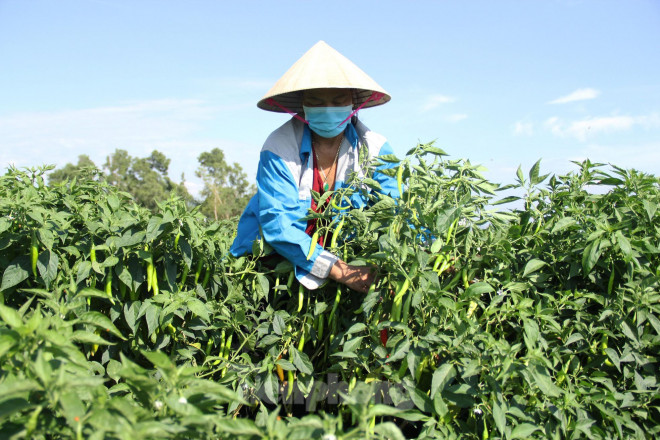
[(502, 83)]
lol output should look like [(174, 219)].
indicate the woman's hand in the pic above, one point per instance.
[(358, 278)]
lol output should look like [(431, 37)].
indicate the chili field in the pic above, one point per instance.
[(534, 315)]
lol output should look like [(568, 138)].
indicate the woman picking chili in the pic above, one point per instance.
[(316, 150)]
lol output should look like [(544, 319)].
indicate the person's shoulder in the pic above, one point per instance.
[(285, 140), (373, 139)]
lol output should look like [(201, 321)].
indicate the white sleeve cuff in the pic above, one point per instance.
[(323, 264)]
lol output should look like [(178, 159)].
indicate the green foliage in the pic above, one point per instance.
[(540, 321), (70, 171), (144, 178), (226, 189)]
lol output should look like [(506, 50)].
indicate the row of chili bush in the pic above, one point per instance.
[(532, 315)]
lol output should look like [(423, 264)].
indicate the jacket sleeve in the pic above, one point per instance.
[(280, 213)]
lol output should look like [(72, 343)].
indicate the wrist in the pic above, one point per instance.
[(338, 270)]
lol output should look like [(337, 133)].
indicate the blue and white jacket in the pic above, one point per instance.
[(284, 183)]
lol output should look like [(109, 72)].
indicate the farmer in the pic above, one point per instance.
[(317, 149)]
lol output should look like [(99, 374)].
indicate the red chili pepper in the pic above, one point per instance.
[(383, 336)]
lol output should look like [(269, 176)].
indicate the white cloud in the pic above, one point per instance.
[(585, 128), (457, 117), (521, 128), (643, 157), (578, 95), (170, 126), (434, 101), (59, 136)]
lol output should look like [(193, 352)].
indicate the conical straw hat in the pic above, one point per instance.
[(321, 67)]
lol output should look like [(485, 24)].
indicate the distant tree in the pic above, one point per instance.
[(145, 178), (117, 167), (225, 194), (69, 171), (226, 189)]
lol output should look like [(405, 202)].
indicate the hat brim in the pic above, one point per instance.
[(293, 100), (321, 67)]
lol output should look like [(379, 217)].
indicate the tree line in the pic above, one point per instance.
[(225, 194)]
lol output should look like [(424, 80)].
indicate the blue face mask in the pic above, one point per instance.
[(328, 122)]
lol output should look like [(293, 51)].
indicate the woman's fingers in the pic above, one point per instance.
[(358, 278), (362, 278)]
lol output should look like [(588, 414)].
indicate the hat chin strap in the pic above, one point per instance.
[(375, 96), (271, 101)]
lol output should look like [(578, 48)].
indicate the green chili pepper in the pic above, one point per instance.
[(315, 324), (335, 233), (176, 240), (95, 347), (444, 266), (31, 425), (439, 260), (453, 282), (538, 226), (603, 342), (315, 239), (227, 347), (172, 331), (150, 275), (406, 308), (122, 289), (198, 270), (290, 380), (301, 342), (471, 308), (225, 353), (399, 178), (108, 286), (335, 305), (395, 314), (403, 368), (154, 282), (420, 368), (222, 342), (450, 231), (207, 277), (301, 296), (352, 383), (337, 207), (319, 330), (34, 252), (289, 282), (209, 346), (184, 275)]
